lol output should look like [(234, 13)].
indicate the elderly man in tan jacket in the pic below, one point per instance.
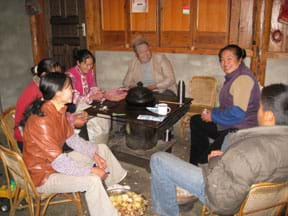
[(154, 71)]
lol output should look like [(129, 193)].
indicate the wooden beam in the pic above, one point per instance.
[(93, 24), (38, 35), (256, 38), (265, 42)]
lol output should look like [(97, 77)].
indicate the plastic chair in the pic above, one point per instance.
[(263, 199), (7, 124), (25, 188), (203, 91)]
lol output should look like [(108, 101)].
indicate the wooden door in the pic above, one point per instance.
[(211, 23), (176, 23), (66, 29), (144, 21), (113, 23)]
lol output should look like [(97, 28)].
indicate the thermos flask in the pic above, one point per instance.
[(181, 91)]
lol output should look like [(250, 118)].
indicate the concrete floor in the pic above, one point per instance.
[(138, 179)]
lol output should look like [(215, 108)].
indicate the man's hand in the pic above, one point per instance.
[(214, 154), (79, 119), (100, 162), (206, 116)]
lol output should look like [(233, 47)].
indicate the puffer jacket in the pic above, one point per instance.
[(255, 155), (44, 137)]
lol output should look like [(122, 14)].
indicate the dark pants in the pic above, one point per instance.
[(200, 133)]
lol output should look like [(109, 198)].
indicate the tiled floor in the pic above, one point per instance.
[(138, 179)]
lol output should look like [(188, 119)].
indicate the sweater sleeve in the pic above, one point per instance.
[(82, 146), (168, 73), (68, 166), (230, 116)]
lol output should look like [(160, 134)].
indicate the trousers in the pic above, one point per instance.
[(200, 133), (167, 172), (96, 197)]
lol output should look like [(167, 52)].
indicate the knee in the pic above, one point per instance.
[(157, 160), (93, 181), (195, 121)]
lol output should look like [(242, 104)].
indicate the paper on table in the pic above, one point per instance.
[(151, 118)]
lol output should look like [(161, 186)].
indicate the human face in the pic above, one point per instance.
[(143, 53), (86, 65), (65, 95), (229, 61)]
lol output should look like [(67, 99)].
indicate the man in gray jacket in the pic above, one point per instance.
[(254, 155)]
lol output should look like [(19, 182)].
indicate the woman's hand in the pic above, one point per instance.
[(79, 119), (206, 116), (214, 154), (99, 95), (100, 162), (99, 172)]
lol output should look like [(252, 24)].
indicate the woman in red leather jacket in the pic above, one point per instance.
[(46, 129)]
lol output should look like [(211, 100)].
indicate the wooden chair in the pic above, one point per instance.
[(7, 124), (15, 167), (263, 199), (203, 91)]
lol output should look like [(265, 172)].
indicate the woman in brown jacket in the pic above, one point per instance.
[(52, 171)]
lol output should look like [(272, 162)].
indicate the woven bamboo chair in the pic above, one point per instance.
[(15, 167), (203, 91), (7, 124), (263, 199)]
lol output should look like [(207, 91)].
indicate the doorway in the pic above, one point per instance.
[(65, 21)]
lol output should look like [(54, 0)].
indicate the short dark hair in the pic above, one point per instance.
[(238, 51), (275, 98), (82, 54), (138, 42)]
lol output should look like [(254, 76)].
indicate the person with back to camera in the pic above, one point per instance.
[(155, 71), (46, 129), (32, 92), (254, 155), (239, 102)]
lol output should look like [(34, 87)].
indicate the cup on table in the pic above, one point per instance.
[(163, 108)]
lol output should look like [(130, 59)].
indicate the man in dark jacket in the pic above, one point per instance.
[(254, 155)]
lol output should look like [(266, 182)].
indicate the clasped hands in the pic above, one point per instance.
[(100, 168)]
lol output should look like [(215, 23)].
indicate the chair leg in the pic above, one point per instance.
[(77, 201), (182, 128)]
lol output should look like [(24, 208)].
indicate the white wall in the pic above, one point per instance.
[(111, 67)]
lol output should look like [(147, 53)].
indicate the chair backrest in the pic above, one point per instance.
[(7, 124), (15, 167), (203, 90), (265, 199)]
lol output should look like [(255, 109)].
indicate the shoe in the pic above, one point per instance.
[(118, 187), (183, 196)]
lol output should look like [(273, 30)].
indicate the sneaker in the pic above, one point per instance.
[(183, 196), (118, 187)]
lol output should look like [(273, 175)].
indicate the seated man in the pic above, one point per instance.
[(254, 155), (154, 71)]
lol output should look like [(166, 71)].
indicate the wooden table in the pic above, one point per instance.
[(118, 111)]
